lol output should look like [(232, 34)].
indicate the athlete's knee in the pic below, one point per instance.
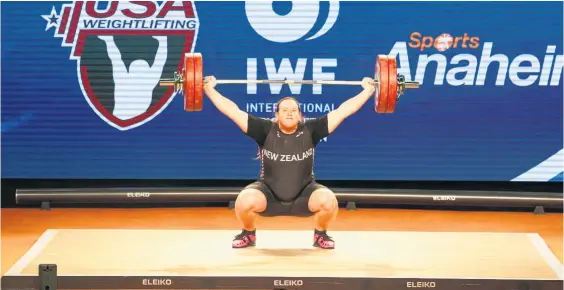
[(250, 200), (324, 200), (329, 201)]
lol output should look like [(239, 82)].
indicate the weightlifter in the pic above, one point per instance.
[(286, 183)]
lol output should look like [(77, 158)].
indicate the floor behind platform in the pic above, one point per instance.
[(22, 227), (289, 253)]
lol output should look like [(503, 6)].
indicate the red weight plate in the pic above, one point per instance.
[(392, 85), (381, 76), (188, 82), (198, 82)]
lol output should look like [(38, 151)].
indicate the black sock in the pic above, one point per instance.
[(320, 232), (250, 232)]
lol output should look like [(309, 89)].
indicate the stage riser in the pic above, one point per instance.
[(302, 283)]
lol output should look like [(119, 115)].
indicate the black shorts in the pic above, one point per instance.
[(275, 207)]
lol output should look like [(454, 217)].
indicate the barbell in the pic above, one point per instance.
[(389, 84)]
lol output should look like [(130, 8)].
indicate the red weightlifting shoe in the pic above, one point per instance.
[(322, 240), (244, 239)]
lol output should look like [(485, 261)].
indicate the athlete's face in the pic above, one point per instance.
[(289, 114)]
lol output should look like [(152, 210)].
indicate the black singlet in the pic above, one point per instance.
[(287, 159)]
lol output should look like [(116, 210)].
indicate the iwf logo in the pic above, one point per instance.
[(287, 21), (122, 49)]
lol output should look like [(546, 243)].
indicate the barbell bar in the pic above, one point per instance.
[(409, 85), (190, 82)]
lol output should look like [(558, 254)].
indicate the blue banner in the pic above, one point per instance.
[(81, 95)]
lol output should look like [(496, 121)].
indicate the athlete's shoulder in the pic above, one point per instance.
[(263, 120), (317, 127), (309, 120), (314, 123), (259, 128)]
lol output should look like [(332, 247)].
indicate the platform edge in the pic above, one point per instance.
[(547, 254), (32, 253)]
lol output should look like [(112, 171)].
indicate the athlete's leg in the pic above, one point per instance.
[(323, 203), (249, 203)]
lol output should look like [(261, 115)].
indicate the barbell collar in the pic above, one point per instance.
[(167, 82), (411, 85)]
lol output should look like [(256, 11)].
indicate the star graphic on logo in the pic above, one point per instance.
[(52, 19)]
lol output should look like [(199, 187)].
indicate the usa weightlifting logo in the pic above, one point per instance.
[(289, 21), (122, 50)]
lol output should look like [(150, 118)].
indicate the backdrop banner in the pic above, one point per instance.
[(81, 95)]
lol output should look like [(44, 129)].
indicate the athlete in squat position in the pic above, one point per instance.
[(286, 185)]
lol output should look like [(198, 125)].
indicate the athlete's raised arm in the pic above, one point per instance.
[(225, 105), (350, 106)]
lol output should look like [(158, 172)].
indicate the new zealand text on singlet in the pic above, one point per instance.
[(287, 159)]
